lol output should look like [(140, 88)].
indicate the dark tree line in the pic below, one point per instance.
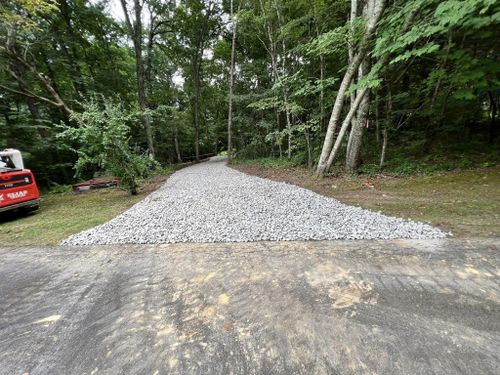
[(325, 83)]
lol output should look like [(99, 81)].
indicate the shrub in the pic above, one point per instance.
[(103, 138)]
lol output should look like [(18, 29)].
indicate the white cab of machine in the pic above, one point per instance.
[(14, 156)]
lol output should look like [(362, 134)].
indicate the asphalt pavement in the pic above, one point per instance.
[(326, 307)]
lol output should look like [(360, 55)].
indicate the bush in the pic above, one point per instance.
[(102, 134)]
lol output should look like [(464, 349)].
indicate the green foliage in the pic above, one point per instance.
[(58, 189), (18, 14), (331, 42), (314, 87), (103, 138), (440, 79)]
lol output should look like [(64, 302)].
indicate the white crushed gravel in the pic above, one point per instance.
[(210, 202)]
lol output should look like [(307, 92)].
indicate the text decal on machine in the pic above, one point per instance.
[(17, 194)]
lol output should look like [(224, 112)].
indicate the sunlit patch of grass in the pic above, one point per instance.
[(63, 213)]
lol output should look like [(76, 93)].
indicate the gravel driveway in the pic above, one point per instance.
[(210, 202)]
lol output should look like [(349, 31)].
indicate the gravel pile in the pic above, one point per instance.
[(210, 202)]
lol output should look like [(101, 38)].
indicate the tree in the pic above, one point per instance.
[(142, 63), (103, 138), (328, 153), (199, 24), (16, 35), (231, 82), (403, 80)]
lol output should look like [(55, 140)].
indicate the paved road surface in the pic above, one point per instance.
[(360, 307)]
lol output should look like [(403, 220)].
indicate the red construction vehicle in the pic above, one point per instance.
[(18, 188)]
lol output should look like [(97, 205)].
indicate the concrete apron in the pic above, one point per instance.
[(350, 307)]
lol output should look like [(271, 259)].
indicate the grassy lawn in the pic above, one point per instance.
[(63, 214), (465, 202)]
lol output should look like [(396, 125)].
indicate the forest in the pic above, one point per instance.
[(125, 87)]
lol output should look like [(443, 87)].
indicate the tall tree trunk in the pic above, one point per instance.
[(231, 83), (135, 32), (278, 78), (197, 68), (285, 86), (143, 105), (322, 92), (352, 17), (345, 125), (359, 124), (196, 113), (321, 77), (326, 152)]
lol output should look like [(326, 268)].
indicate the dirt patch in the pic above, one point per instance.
[(467, 203), (153, 183)]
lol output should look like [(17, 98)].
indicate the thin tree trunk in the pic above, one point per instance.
[(309, 151), (272, 53), (322, 92), (285, 87), (280, 145), (384, 147), (387, 122), (176, 145), (196, 66), (276, 75)]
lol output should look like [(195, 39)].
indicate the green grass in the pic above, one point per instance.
[(63, 214), (467, 202)]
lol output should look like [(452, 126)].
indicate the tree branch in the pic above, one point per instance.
[(31, 95)]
